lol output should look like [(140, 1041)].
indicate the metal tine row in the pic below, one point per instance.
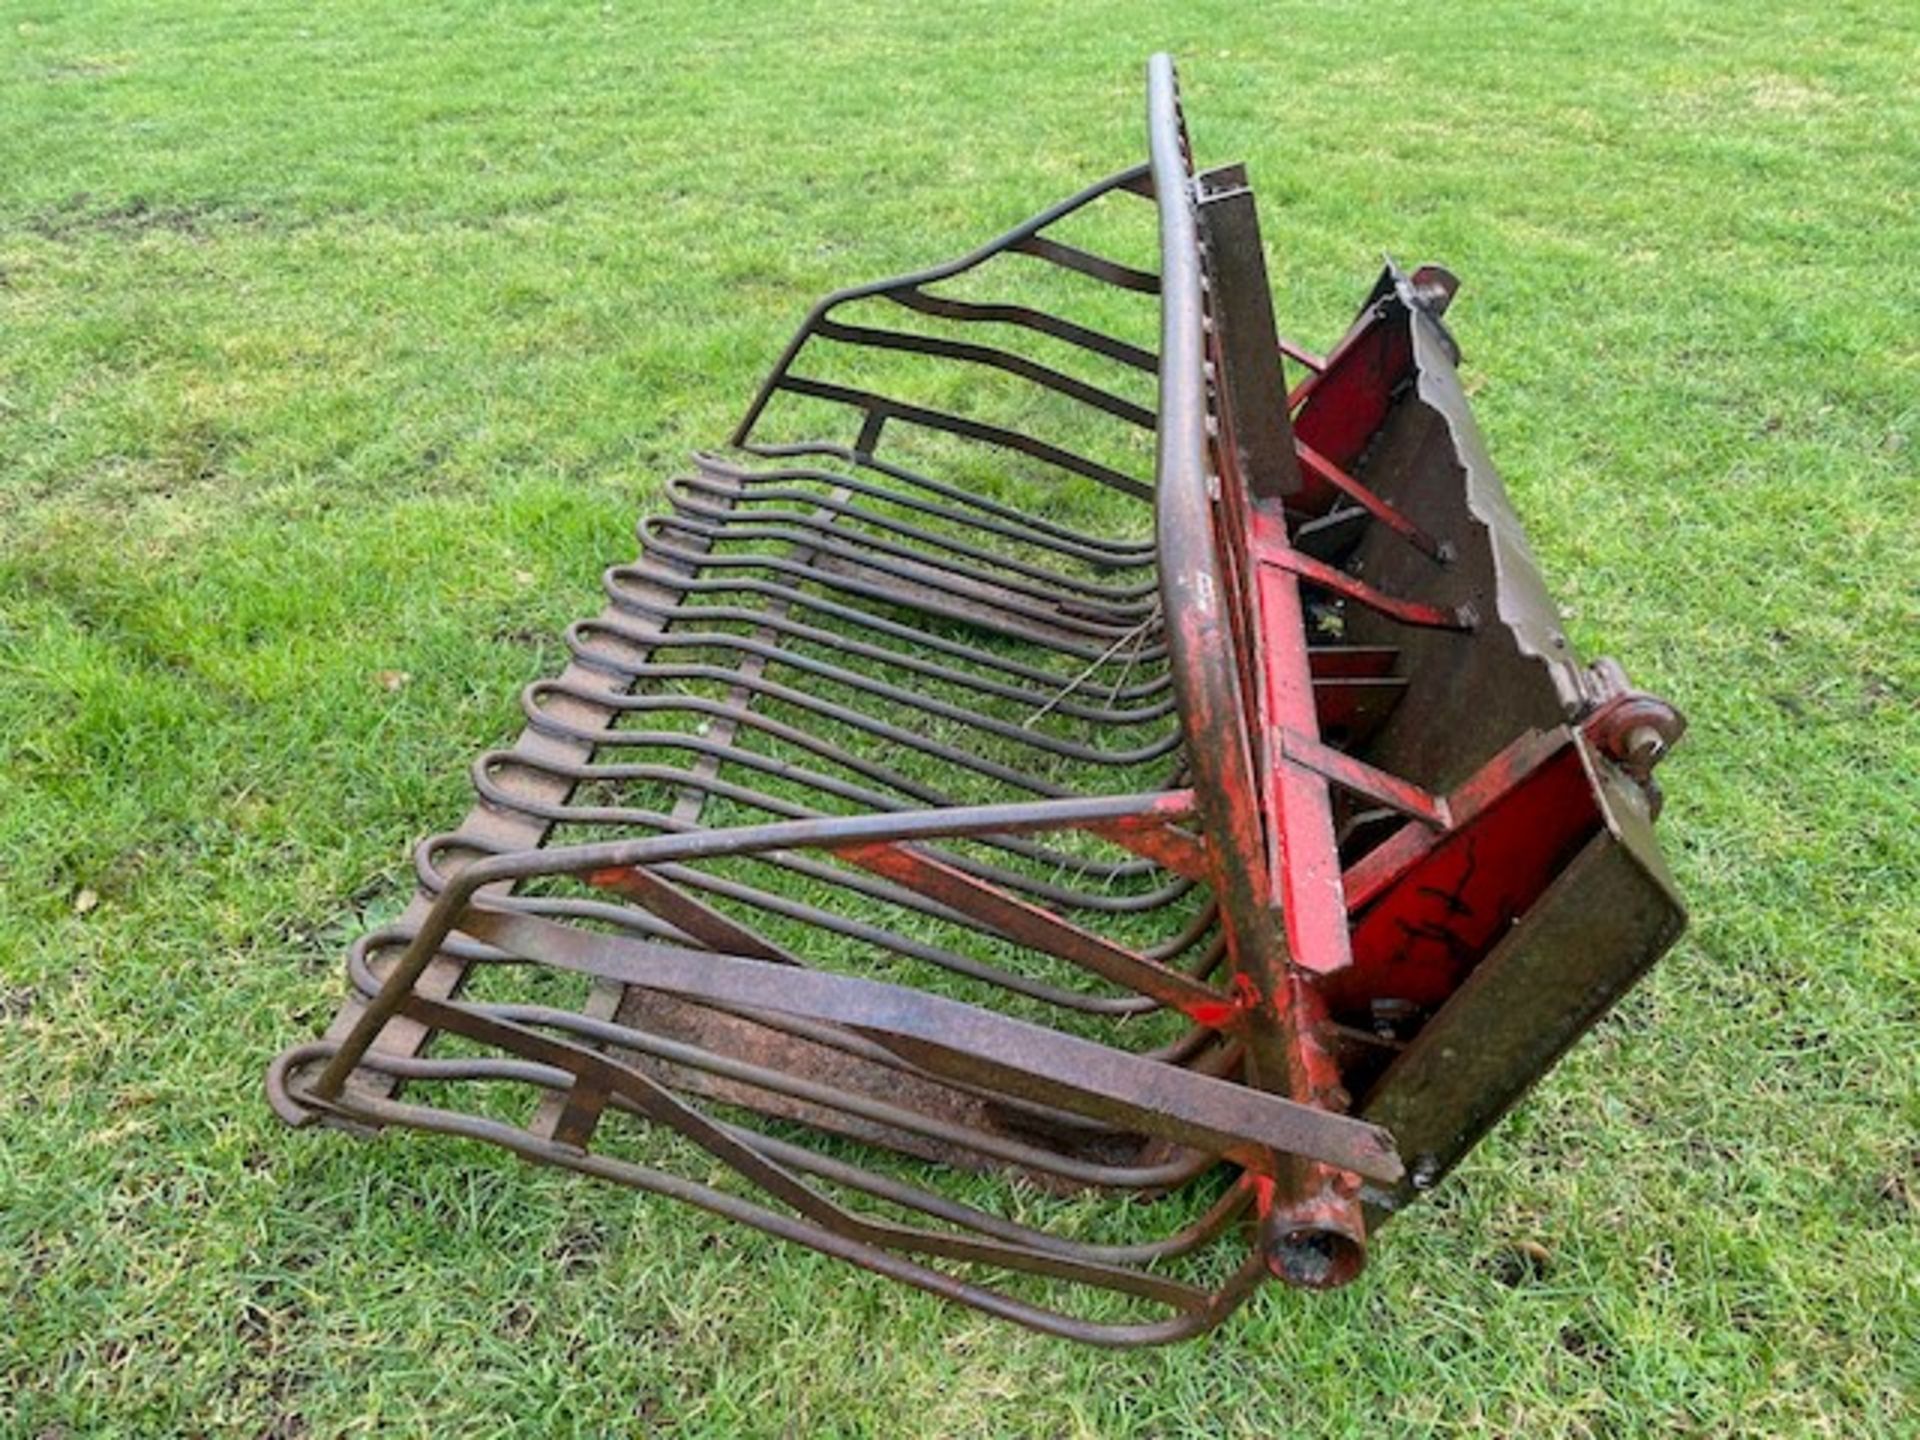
[(905, 792), (953, 572), (1170, 1170), (1131, 648), (667, 704), (1057, 692), (1182, 935), (579, 639), (1118, 552), (884, 1248), (1187, 934), (1087, 690), (908, 794), (541, 692), (688, 779), (736, 718), (895, 582), (694, 780), (773, 624), (627, 584), (695, 494), (1131, 909), (1052, 701), (1165, 1172)]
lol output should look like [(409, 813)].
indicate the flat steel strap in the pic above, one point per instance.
[(973, 1045)]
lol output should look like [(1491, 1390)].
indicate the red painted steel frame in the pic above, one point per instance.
[(1238, 636), (1308, 942)]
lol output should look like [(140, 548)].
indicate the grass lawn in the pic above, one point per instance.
[(341, 344)]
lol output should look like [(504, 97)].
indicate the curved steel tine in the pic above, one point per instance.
[(643, 575)]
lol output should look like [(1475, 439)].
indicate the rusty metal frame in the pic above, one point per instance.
[(1295, 896)]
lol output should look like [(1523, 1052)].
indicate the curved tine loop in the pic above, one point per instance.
[(777, 617), (554, 1077), (1057, 700), (1125, 649), (1132, 175), (737, 527), (979, 607), (934, 1204), (852, 680), (434, 880), (741, 523), (992, 357), (1184, 1241), (1178, 1168), (1026, 317), (661, 1106), (722, 477), (371, 1110), (680, 492), (679, 582), (684, 780), (1129, 552)]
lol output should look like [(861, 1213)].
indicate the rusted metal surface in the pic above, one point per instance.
[(1088, 765)]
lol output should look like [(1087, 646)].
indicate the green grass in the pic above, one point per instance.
[(345, 340)]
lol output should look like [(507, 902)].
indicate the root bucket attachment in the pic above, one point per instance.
[(1080, 876)]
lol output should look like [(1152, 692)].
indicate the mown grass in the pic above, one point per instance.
[(341, 345)]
